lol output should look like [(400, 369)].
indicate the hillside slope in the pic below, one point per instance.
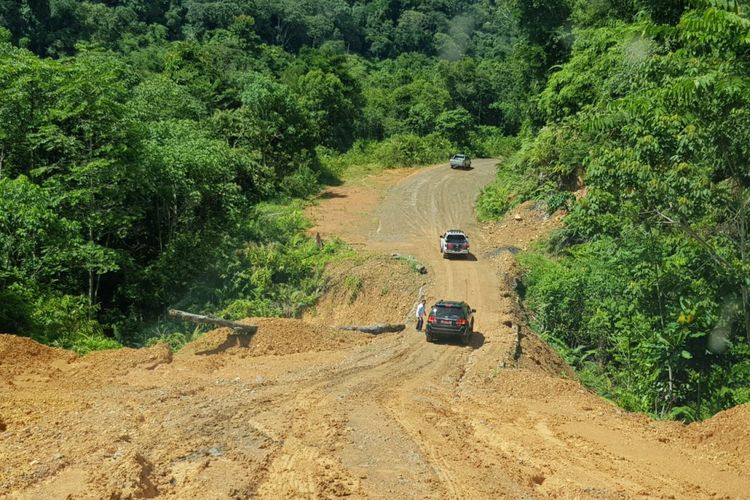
[(307, 411)]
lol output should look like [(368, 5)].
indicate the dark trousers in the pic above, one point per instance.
[(420, 322)]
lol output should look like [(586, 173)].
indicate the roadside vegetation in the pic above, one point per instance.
[(157, 154), (645, 289)]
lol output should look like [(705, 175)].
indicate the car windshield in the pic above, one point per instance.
[(459, 157), (448, 312), (455, 238)]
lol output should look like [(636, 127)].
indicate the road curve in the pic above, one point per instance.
[(417, 210), (394, 417)]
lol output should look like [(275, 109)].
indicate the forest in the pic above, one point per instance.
[(645, 290), (151, 152), (157, 154)]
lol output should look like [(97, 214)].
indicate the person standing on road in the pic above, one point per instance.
[(420, 315)]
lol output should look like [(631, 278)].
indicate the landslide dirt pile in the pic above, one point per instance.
[(728, 431), (369, 289), (522, 226), (98, 367), (302, 410), (275, 336), (23, 356), (519, 229)]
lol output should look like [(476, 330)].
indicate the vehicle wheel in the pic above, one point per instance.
[(467, 339), (428, 337)]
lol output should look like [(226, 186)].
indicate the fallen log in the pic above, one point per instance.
[(201, 319), (374, 329), (414, 263)]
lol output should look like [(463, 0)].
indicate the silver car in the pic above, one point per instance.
[(460, 161)]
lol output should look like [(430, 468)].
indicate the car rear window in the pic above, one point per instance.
[(448, 312), (455, 238), (459, 157)]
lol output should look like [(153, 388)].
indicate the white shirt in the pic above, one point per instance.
[(420, 310)]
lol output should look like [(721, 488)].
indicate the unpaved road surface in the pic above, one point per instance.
[(303, 411)]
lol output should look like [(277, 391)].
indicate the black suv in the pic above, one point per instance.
[(449, 318)]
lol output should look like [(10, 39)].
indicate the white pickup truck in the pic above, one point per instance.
[(454, 242)]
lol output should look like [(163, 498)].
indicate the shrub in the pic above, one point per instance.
[(84, 343), (65, 321), (492, 143), (302, 183), (508, 190), (405, 150)]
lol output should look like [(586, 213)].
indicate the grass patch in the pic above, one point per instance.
[(509, 189), (354, 285)]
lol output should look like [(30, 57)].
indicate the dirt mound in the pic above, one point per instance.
[(275, 336), (100, 366), (728, 430), (21, 355), (128, 477), (511, 235), (369, 289), (520, 227)]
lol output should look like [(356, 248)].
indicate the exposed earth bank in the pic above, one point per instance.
[(304, 410)]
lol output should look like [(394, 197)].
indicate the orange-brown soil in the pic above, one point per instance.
[(301, 410)]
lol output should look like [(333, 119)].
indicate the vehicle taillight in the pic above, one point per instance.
[(465, 245), (431, 319), (460, 321), (450, 245)]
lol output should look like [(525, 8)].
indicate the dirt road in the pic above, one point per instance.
[(306, 412)]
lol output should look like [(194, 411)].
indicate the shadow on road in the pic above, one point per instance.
[(328, 195), (475, 342), (233, 340), (470, 257)]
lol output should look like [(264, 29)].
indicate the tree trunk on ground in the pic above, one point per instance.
[(375, 329), (200, 319)]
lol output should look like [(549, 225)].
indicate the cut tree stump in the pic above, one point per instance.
[(200, 319), (374, 329)]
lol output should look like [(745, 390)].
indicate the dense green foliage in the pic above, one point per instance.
[(646, 290), (151, 153), (140, 141)]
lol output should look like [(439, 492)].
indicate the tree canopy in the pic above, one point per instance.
[(138, 139), (647, 291), (145, 146)]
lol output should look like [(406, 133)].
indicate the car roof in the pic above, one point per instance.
[(455, 231), (451, 303)]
